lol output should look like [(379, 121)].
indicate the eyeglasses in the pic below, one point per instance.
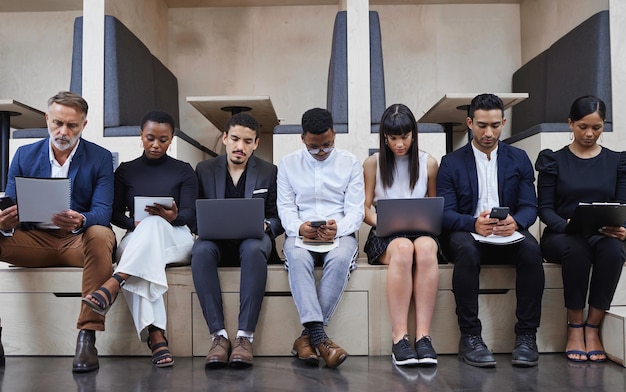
[(314, 151)]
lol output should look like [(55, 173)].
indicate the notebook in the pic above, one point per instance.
[(235, 219), (409, 216), (40, 198)]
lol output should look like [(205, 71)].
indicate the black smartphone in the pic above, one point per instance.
[(318, 223), (6, 202), (499, 212)]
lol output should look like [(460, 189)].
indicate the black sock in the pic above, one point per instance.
[(316, 331)]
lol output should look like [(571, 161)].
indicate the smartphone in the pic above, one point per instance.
[(6, 202), (318, 223), (499, 212)]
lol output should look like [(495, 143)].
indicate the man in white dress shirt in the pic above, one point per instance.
[(319, 183)]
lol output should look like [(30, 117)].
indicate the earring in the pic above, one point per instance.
[(571, 136)]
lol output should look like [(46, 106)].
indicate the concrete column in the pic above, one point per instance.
[(617, 17), (359, 118), (93, 67)]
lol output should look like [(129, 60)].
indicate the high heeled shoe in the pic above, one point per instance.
[(576, 352), (102, 304)]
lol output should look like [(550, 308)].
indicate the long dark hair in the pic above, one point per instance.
[(397, 120)]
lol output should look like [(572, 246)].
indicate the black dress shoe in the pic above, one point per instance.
[(474, 352), (525, 353), (86, 358)]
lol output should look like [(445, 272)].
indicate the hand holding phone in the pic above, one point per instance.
[(6, 202), (499, 212)]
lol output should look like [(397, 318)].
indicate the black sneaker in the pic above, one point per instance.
[(402, 354), (426, 354), (474, 351), (525, 353)]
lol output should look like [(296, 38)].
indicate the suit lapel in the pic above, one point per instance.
[(251, 175), (44, 168), (220, 178), (472, 174), (77, 159), (502, 158)]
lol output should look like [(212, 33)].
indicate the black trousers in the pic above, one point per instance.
[(576, 254), (468, 255), (252, 256)]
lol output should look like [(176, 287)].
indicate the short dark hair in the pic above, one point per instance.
[(485, 102), (245, 120), (159, 117), (68, 98), (586, 105), (316, 121)]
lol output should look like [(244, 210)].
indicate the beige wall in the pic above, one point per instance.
[(545, 21), (36, 60), (147, 19), (283, 52)]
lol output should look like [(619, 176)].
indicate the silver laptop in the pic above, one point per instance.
[(422, 215), (230, 219)]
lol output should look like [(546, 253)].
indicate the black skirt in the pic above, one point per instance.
[(375, 246)]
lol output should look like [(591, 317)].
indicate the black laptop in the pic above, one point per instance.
[(418, 215), (237, 218)]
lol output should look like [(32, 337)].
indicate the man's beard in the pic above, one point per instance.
[(64, 143)]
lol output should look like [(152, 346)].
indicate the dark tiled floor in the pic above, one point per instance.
[(554, 373)]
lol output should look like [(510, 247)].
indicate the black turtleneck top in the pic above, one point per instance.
[(164, 176)]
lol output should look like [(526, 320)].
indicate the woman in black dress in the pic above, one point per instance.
[(583, 171)]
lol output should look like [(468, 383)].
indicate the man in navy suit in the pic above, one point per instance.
[(237, 174), (78, 237), (487, 173)]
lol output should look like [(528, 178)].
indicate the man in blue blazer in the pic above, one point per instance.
[(487, 173), (237, 174), (78, 237)]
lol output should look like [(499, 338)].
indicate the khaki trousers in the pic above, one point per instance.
[(92, 250)]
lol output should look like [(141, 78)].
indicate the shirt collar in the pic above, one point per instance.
[(482, 156)]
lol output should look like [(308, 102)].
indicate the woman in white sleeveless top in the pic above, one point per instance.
[(401, 170)]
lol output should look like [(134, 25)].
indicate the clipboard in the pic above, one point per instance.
[(588, 218)]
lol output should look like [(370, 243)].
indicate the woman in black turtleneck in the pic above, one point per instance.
[(149, 245)]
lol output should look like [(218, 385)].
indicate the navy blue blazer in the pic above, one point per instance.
[(260, 182), (91, 177), (457, 182)]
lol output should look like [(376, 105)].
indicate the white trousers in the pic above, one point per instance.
[(143, 254)]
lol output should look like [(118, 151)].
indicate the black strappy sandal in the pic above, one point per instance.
[(159, 355), (103, 304)]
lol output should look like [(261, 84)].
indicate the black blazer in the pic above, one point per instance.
[(260, 182)]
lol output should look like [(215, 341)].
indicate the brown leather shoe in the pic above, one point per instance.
[(218, 354), (86, 358), (241, 356), (303, 349), (332, 354)]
